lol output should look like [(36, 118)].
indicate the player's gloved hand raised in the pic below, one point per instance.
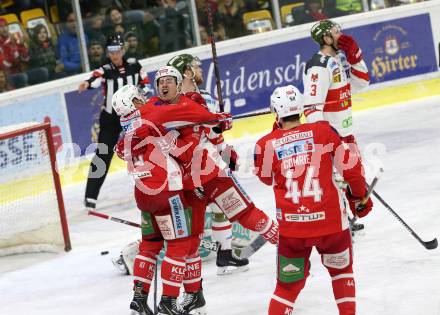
[(350, 48), (226, 121), (196, 97), (358, 206), (230, 156)]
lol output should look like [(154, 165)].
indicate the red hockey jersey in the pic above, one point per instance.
[(299, 164), (199, 159)]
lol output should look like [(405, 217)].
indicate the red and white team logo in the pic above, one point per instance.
[(231, 202)]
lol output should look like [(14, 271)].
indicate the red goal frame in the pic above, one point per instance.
[(56, 178)]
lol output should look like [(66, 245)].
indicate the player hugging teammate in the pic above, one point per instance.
[(178, 172)]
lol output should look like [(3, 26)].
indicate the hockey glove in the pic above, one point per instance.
[(196, 97), (125, 151), (167, 143), (359, 208), (272, 233), (230, 156), (351, 49), (226, 121)]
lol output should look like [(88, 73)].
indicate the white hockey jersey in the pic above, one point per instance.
[(328, 84)]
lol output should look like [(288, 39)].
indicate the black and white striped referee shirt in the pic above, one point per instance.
[(112, 78)]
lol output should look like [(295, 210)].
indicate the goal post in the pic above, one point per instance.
[(32, 212)]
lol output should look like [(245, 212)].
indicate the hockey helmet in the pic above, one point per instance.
[(184, 61), (115, 42), (321, 29), (286, 101), (167, 71), (122, 100)]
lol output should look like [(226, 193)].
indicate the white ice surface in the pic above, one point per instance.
[(394, 273)]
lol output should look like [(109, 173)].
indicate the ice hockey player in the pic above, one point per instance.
[(207, 172), (166, 213), (298, 160), (189, 67), (112, 75), (330, 77)]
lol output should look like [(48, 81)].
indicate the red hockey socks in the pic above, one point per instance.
[(193, 274), (344, 290), (284, 298), (145, 262), (192, 280), (173, 266)]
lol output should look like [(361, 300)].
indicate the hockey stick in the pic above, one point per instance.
[(108, 217), (209, 245), (252, 248), (259, 241), (236, 117), (155, 288), (353, 226), (214, 55), (427, 244)]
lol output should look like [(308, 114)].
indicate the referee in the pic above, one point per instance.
[(116, 72)]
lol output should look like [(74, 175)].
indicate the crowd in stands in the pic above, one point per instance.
[(43, 45)]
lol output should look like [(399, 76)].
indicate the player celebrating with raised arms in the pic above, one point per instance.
[(298, 160)]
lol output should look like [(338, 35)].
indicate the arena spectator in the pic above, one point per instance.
[(314, 11), (132, 47), (94, 28), (115, 23), (202, 14), (96, 54), (43, 52), (15, 54), (174, 26), (68, 47), (231, 16), (4, 84)]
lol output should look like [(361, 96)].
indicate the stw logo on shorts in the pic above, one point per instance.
[(230, 202), (179, 218), (295, 148)]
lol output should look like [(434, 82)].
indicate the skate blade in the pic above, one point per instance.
[(228, 270), (199, 311)]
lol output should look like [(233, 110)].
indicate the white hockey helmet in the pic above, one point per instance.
[(122, 100), (286, 101), (167, 71)]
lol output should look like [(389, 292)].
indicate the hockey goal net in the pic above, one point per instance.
[(32, 214)]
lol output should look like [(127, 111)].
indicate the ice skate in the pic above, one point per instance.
[(228, 263), (168, 306), (139, 304), (194, 303)]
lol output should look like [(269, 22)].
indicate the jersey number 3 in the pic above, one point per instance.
[(313, 90), (311, 187)]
